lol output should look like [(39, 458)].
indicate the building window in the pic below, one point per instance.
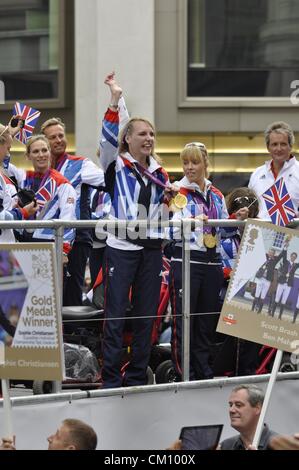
[(279, 241), (242, 48), (31, 49)]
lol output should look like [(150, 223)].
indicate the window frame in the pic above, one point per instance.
[(60, 100), (185, 101)]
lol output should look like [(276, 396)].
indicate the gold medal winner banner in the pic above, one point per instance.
[(261, 302), (30, 323)]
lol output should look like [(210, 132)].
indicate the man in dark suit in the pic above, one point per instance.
[(265, 276), (285, 281)]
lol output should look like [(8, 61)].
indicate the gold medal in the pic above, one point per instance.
[(209, 240), (180, 201), (172, 206)]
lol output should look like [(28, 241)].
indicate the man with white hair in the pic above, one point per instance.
[(279, 138)]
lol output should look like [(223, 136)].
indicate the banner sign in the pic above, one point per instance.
[(262, 300), (30, 318)]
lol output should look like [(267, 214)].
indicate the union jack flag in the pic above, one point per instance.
[(30, 116), (46, 192), (279, 203)]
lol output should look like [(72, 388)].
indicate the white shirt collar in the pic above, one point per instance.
[(292, 160), (184, 182)]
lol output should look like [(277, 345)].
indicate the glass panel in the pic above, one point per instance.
[(196, 36), (279, 240), (242, 47), (29, 48)]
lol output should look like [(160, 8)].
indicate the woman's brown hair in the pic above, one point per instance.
[(243, 197)]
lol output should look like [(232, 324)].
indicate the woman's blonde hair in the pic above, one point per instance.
[(127, 131), (33, 139), (196, 151), (4, 133)]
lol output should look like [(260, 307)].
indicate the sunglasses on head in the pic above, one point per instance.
[(242, 199), (196, 144)]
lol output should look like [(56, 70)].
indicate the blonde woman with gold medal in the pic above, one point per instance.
[(197, 198)]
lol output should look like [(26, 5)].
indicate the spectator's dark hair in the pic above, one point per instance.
[(242, 197)]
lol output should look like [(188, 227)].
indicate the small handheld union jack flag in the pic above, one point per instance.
[(46, 192), (30, 117), (279, 203)]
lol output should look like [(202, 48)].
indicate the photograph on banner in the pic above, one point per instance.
[(30, 322), (262, 300)]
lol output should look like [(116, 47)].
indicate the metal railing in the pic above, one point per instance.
[(186, 226)]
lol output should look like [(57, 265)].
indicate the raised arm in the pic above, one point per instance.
[(283, 254), (114, 120), (115, 91), (15, 125)]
